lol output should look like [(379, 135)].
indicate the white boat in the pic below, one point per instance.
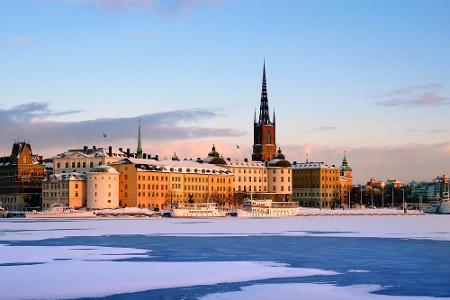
[(196, 210), (3, 212), (268, 208), (431, 207), (444, 206), (60, 211)]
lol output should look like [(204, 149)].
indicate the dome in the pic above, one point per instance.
[(279, 160), (214, 157), (175, 157), (213, 152)]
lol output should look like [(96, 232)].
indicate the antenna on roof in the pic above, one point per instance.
[(307, 157)]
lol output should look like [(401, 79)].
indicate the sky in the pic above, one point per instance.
[(369, 77)]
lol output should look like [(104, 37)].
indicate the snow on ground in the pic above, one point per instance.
[(39, 254), (76, 279), (297, 291), (417, 227)]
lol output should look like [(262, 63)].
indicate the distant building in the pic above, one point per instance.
[(83, 160), (264, 142), (431, 191), (316, 184), (102, 188), (155, 184), (68, 189), (345, 182), (21, 176)]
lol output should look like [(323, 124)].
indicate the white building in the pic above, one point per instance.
[(83, 160), (102, 188)]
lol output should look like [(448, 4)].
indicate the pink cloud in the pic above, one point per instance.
[(20, 40)]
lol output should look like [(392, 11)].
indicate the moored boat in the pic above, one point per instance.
[(3, 212), (444, 206), (268, 208), (196, 210), (60, 211)]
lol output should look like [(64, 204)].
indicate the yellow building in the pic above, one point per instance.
[(316, 184), (271, 180), (149, 183), (66, 189)]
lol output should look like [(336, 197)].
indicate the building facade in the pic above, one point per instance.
[(148, 183), (85, 159), (68, 189), (316, 184), (21, 176), (264, 142), (256, 179)]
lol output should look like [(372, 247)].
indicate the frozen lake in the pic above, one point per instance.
[(353, 257)]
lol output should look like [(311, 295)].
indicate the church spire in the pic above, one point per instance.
[(264, 117), (139, 147)]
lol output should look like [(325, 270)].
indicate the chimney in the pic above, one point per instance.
[(128, 152), (228, 159), (110, 151), (121, 150), (94, 147), (85, 148), (294, 163), (144, 155), (246, 159), (156, 157)]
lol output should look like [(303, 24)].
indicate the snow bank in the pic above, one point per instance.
[(76, 279), (295, 291)]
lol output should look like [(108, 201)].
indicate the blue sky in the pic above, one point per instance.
[(369, 77)]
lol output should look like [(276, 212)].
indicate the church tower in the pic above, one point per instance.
[(264, 145), (139, 146)]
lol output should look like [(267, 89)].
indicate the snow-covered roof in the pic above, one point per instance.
[(65, 177), (103, 169), (183, 166), (98, 152), (245, 164), (313, 165)]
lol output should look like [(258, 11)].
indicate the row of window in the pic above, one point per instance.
[(78, 164)]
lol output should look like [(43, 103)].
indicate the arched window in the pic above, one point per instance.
[(269, 138)]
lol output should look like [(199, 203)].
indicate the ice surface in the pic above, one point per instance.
[(295, 291), (76, 279), (418, 227)]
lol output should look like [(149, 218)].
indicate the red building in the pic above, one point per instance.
[(21, 176), (264, 145)]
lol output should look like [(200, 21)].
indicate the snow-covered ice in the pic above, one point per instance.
[(434, 227), (76, 279), (295, 291), (326, 257)]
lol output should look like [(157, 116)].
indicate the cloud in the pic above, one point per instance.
[(30, 112), (323, 128), (28, 121), (425, 95), (408, 90), (161, 7), (19, 40), (428, 99), (438, 130)]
